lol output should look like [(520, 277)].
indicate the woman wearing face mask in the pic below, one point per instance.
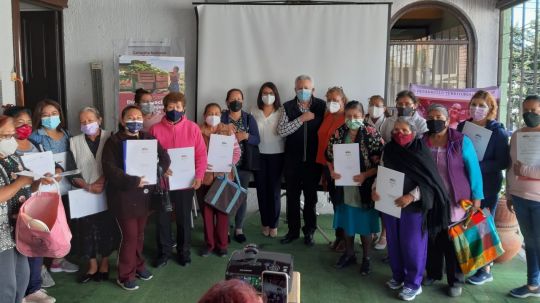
[(50, 135), (99, 232), (354, 211), (424, 208), (272, 147), (523, 194), (334, 117), (145, 101), (406, 104), (483, 111), (128, 197), (458, 167), (39, 275), (247, 132), (176, 131), (14, 191), (376, 112), (216, 223)]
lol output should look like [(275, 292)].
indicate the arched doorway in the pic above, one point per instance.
[(431, 43)]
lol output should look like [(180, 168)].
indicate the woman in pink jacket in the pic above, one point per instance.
[(176, 131), (216, 223)]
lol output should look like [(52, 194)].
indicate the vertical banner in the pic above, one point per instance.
[(158, 75), (455, 100)]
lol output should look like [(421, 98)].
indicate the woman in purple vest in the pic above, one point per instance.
[(458, 167)]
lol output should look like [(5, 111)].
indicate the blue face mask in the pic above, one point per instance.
[(134, 126), (174, 115), (303, 95), (51, 122)]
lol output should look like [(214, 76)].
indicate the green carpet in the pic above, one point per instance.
[(320, 281)]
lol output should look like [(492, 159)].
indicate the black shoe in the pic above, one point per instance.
[(345, 260), (288, 239), (161, 261), (240, 238), (428, 281), (184, 261), (104, 276), (308, 240), (222, 253), (205, 252), (365, 268), (88, 277)]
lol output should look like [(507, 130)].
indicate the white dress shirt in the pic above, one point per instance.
[(271, 141)]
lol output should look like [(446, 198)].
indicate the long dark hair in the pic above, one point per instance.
[(272, 86), (36, 119)]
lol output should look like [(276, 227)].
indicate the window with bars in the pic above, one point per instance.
[(519, 58), (429, 45)]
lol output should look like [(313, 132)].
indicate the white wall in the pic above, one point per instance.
[(6, 53), (91, 27)]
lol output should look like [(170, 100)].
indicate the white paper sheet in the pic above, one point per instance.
[(347, 163), (182, 167), (220, 153), (528, 148), (479, 136), (65, 185), (39, 163), (141, 159), (83, 203), (389, 187)]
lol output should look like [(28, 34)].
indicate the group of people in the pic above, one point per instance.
[(295, 140)]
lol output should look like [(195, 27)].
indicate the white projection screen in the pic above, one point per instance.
[(244, 45)]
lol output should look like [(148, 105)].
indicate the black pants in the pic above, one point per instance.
[(182, 201), (268, 179), (441, 253), (302, 177)]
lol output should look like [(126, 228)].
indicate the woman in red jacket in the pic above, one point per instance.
[(176, 131), (129, 197)]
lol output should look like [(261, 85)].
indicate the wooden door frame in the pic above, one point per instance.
[(57, 5)]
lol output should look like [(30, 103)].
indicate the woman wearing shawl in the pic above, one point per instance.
[(424, 208)]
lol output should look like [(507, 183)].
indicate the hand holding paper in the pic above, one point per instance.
[(141, 159), (220, 153), (347, 164), (182, 168), (389, 189)]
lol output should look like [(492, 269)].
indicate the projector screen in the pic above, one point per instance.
[(244, 45)]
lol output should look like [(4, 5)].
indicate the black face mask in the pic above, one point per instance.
[(405, 111), (235, 106), (435, 126), (531, 119)]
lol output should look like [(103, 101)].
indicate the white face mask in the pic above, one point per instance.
[(213, 120), (268, 99), (333, 106), (8, 147), (375, 111)]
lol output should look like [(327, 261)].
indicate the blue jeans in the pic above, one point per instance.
[(528, 215)]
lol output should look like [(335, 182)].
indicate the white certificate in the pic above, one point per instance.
[(528, 148), (389, 187), (182, 167), (347, 163), (479, 136), (220, 153), (61, 159), (141, 159), (83, 203), (39, 163)]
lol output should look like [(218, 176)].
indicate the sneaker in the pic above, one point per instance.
[(144, 275), (345, 260), (480, 277), (39, 296), (128, 285), (46, 279), (409, 294), (455, 291), (222, 253), (64, 266), (394, 285), (381, 244), (365, 268), (524, 292), (205, 252)]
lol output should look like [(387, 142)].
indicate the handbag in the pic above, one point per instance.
[(42, 229), (475, 238), (252, 156), (160, 199), (226, 195)]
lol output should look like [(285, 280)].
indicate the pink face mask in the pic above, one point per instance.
[(478, 113)]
